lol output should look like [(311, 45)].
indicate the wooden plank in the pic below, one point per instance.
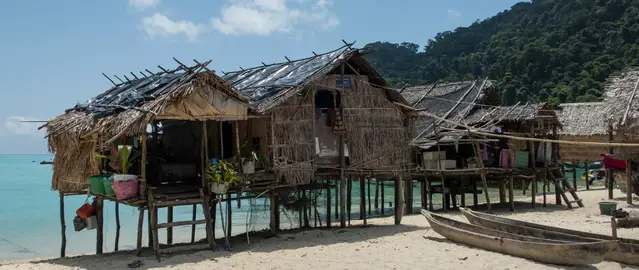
[(181, 223), (178, 203)]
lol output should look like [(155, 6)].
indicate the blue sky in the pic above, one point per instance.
[(53, 52)]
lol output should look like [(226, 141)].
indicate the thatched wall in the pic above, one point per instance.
[(569, 152), (293, 137), (74, 162), (376, 134)]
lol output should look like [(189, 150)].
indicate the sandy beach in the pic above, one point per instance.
[(380, 245)]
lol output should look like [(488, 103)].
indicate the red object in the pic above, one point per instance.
[(85, 211), (613, 163), (126, 190)]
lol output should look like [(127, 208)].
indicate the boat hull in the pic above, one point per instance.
[(626, 251), (537, 249)]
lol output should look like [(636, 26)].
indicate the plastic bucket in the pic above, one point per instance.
[(108, 186), (97, 187), (606, 208), (126, 190)]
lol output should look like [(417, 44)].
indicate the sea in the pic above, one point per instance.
[(30, 224)]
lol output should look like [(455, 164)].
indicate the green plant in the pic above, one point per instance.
[(260, 161), (222, 173), (122, 158)]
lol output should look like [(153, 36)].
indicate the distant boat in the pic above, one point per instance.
[(46, 162)]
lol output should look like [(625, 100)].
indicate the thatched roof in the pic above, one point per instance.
[(505, 114), (269, 85), (453, 101), (621, 98), (127, 108), (582, 119), (131, 104)]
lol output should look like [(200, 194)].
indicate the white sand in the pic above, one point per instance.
[(411, 245)]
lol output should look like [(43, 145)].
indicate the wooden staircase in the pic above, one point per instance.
[(157, 201), (560, 181)]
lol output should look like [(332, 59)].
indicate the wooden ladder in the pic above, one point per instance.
[(154, 205), (558, 178)]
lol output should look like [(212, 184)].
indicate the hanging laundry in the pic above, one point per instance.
[(338, 127)]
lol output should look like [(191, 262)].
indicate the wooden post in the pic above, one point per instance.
[(545, 171), (368, 193), (100, 231), (502, 191), (140, 225), (398, 199), (533, 182), (511, 192), (328, 203), (362, 193), (376, 194), (609, 174), (382, 195), (613, 225), (63, 227), (229, 216), (587, 178), (337, 199), (194, 217), (475, 199), (169, 230), (117, 227), (349, 197), (342, 162), (143, 158), (574, 174), (629, 181), (429, 189), (274, 211), (422, 193), (482, 174)]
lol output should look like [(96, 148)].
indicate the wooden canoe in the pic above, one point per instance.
[(533, 248), (626, 252)]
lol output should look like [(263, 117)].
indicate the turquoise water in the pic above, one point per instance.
[(30, 226)]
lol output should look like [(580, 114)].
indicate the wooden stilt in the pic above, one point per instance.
[(480, 162), (368, 193), (429, 199), (587, 178), (338, 195), (349, 197), (328, 203), (63, 227), (169, 230), (210, 227), (376, 194), (574, 174), (502, 191), (545, 172), (305, 208), (382, 201), (274, 211), (463, 192), (398, 199), (422, 194), (363, 198), (613, 225), (153, 212), (533, 182), (511, 192), (140, 231), (629, 189), (193, 218), (100, 230), (117, 227), (229, 216), (342, 162), (149, 229)]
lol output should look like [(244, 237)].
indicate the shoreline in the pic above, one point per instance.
[(412, 244)]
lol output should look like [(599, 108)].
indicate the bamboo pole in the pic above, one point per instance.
[(382, 196), (398, 199), (545, 173), (193, 218), (574, 174), (368, 194), (629, 181), (534, 168), (362, 194), (328, 202), (342, 162), (117, 227), (63, 227), (376, 194)]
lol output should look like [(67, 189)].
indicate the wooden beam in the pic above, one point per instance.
[(629, 181)]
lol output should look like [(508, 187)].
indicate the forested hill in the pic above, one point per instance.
[(544, 50)]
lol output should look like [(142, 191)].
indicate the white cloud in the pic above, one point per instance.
[(454, 13), (143, 4), (265, 17), (14, 126), (160, 25)]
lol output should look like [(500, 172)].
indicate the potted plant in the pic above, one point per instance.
[(248, 166), (472, 163), (121, 184), (221, 175), (262, 162)]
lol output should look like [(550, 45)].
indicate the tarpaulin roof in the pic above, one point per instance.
[(268, 85)]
